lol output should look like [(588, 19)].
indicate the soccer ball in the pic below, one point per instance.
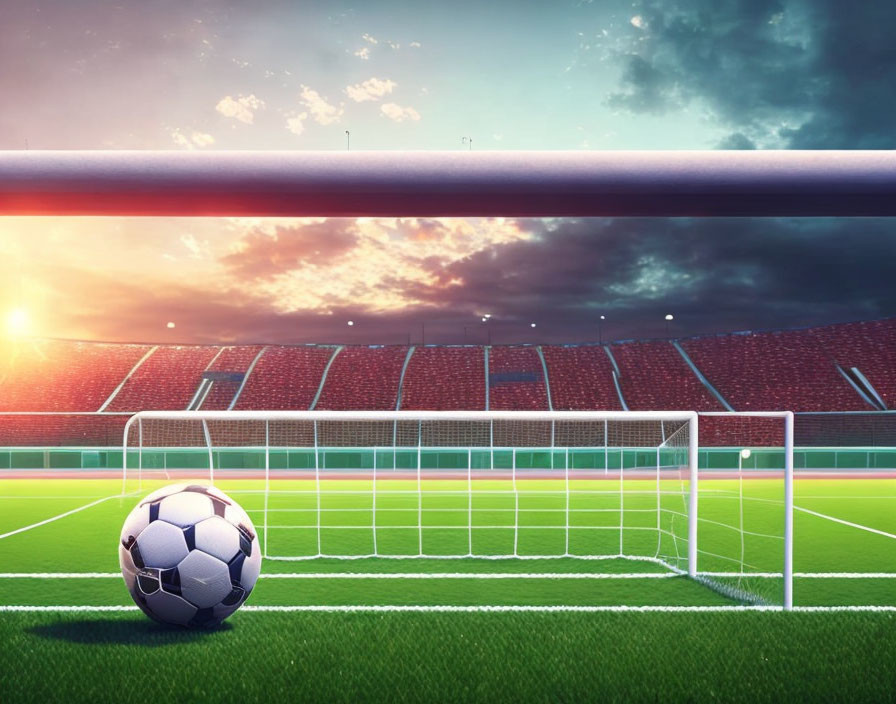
[(189, 555)]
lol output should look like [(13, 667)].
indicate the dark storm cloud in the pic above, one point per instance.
[(262, 256), (714, 275), (809, 74)]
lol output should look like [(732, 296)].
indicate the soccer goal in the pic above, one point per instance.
[(499, 485)]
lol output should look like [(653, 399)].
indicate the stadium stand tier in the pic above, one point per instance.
[(165, 381), (653, 375), (229, 369), (516, 380), (60, 375), (836, 368), (285, 378), (869, 347), (363, 378), (581, 378), (774, 370), (445, 379)]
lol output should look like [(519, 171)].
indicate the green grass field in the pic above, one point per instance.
[(431, 638)]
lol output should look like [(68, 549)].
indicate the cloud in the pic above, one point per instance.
[(321, 111), (371, 89), (367, 38), (415, 45), (363, 53), (198, 249), (296, 123), (800, 74), (242, 108), (399, 114), (368, 265), (194, 140), (262, 255)]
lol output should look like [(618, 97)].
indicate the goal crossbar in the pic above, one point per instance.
[(449, 184)]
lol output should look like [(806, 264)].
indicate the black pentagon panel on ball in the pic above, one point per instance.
[(204, 618), (246, 538), (148, 581), (234, 596), (190, 537), (128, 542), (236, 567), (136, 556), (154, 511), (170, 580)]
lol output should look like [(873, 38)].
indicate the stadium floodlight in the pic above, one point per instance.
[(408, 184), (591, 485)]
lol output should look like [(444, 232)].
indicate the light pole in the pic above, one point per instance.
[(487, 319), (468, 141), (669, 319), (347, 138), (600, 329)]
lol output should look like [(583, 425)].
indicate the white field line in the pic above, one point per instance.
[(835, 520), (480, 575), (56, 518), (501, 608)]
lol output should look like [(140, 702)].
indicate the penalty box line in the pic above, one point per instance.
[(845, 523), (56, 518), (528, 608)]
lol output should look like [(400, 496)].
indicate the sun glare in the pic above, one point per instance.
[(17, 322)]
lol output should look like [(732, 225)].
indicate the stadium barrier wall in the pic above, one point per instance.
[(716, 458)]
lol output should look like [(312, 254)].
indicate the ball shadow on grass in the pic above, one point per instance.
[(136, 631)]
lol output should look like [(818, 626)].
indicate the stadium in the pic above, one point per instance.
[(459, 504)]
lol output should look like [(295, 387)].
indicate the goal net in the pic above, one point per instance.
[(490, 484)]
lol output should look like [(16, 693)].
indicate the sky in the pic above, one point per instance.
[(503, 75)]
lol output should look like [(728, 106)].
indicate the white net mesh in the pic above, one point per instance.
[(523, 485)]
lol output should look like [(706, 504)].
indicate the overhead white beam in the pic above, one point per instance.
[(431, 184)]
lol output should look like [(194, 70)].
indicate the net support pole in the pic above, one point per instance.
[(211, 458), (566, 478), (267, 480), (317, 485), (516, 508), (470, 501), (788, 511), (419, 488), (693, 445)]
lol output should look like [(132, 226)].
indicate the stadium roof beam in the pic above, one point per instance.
[(460, 183)]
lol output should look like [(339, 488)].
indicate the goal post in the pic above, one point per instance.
[(704, 495)]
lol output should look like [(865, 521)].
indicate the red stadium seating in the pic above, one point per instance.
[(773, 371), (166, 381), (654, 377), (285, 379), (445, 379), (59, 375), (581, 378), (868, 346), (516, 380), (363, 378), (795, 370), (231, 359)]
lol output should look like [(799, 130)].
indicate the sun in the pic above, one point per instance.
[(17, 322)]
